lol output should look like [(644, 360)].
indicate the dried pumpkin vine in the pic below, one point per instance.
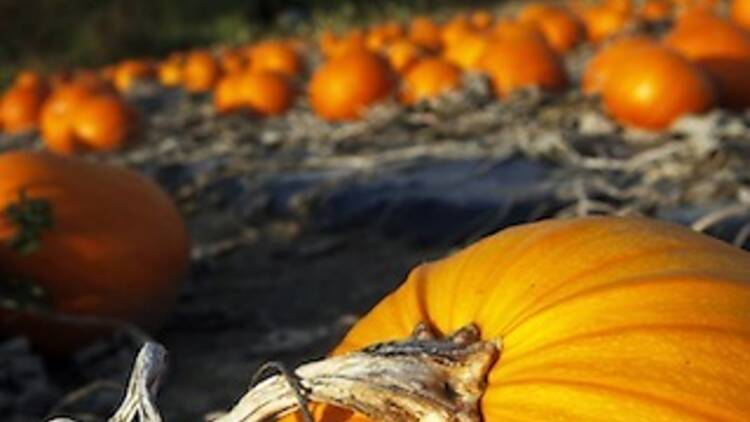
[(422, 378)]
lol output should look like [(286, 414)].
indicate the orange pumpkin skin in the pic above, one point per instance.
[(227, 95), (20, 108), (601, 319), (603, 22), (275, 56), (333, 46), (429, 78), (481, 19), (125, 74), (118, 248), (455, 30), (655, 87), (103, 122), (56, 120), (201, 72), (600, 66), (740, 13), (522, 63), (266, 93), (656, 10), (562, 29), (719, 47), (344, 87), (516, 30), (170, 70), (425, 33), (402, 54), (467, 51)]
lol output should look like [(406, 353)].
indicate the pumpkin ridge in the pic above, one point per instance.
[(589, 272), (686, 408), (693, 327), (624, 283)]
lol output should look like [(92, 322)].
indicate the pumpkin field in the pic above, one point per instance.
[(392, 211)]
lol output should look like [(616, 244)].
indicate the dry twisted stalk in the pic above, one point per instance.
[(423, 378)]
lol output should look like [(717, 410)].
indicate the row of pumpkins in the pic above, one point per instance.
[(704, 61)]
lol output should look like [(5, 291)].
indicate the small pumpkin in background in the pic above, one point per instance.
[(429, 78), (402, 54), (608, 58), (656, 10), (200, 72), (344, 87), (424, 32), (467, 51), (56, 120), (334, 46), (275, 56), (104, 122), (20, 108), (266, 93), (513, 29), (561, 27), (454, 31), (721, 48), (227, 96), (170, 70), (603, 22), (116, 247), (655, 86), (30, 79), (481, 19), (127, 73), (514, 64), (739, 12)]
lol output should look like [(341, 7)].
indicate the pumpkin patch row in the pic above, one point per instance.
[(702, 62)]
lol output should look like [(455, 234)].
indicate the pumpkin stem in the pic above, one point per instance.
[(418, 379), (32, 217)]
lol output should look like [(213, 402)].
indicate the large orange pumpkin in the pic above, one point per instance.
[(344, 87), (722, 49), (562, 29), (520, 63), (654, 87), (429, 78), (275, 56), (117, 247), (600, 66), (597, 319)]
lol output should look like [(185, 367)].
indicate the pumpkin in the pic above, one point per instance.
[(655, 10), (20, 107), (607, 59), (511, 29), (590, 319), (170, 70), (128, 72), (227, 94), (232, 61), (562, 29), (275, 56), (740, 13), (30, 79), (117, 247), (424, 32), (103, 122), (520, 63), (402, 54), (466, 52), (266, 93), (455, 30), (654, 87), (603, 22), (429, 78), (56, 120), (201, 71), (344, 87), (719, 47), (481, 19), (333, 46)]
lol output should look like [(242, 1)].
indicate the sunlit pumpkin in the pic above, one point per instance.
[(656, 10), (200, 72), (117, 247), (227, 96), (170, 70), (654, 87), (30, 79), (402, 54), (722, 49), (598, 319), (20, 108), (740, 13), (454, 31), (56, 120), (266, 93), (481, 19), (424, 32), (275, 56), (344, 87), (128, 72), (600, 66), (467, 51), (562, 29), (334, 46), (511, 29), (622, 6), (429, 78), (520, 63), (103, 122), (232, 61), (603, 22)]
